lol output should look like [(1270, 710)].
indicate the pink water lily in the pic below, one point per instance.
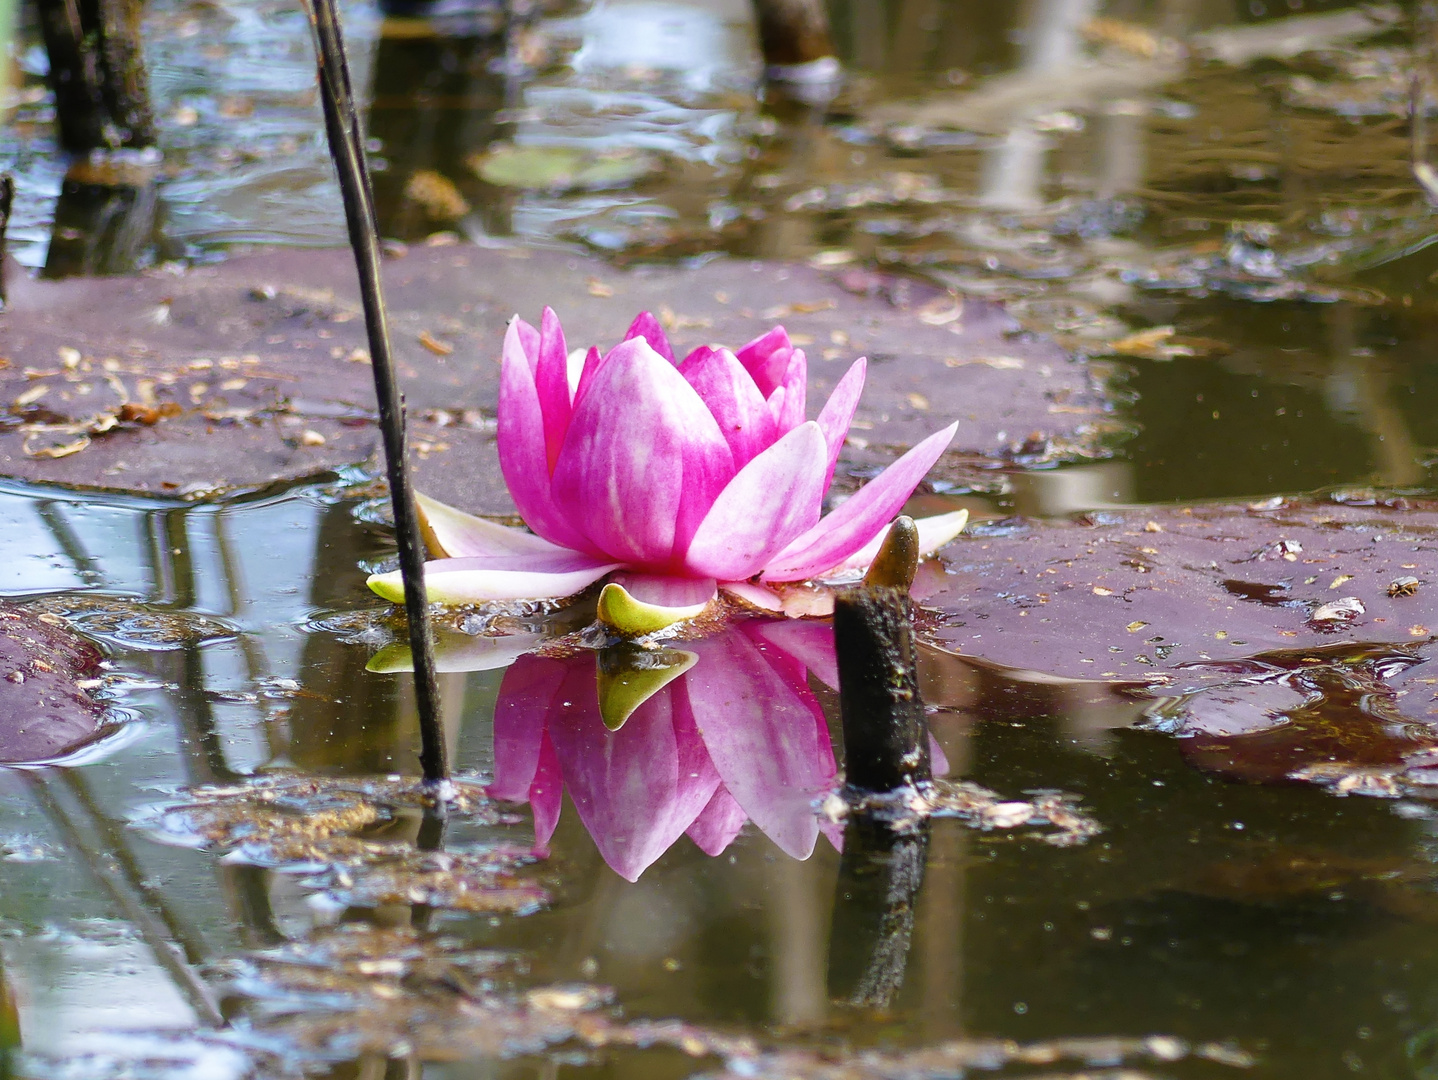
[(679, 478)]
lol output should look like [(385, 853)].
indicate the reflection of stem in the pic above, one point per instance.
[(52, 514), (879, 880), (941, 931), (430, 838), (1367, 381), (196, 714), (246, 890), (796, 923), (118, 875)]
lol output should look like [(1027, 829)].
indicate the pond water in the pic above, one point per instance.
[(1233, 184)]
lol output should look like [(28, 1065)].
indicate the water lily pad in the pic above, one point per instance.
[(267, 359), (1140, 595), (561, 168), (45, 711)]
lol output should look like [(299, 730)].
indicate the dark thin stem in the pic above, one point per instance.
[(7, 198), (347, 149)]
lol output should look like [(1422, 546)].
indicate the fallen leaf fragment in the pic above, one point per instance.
[(29, 397), (1344, 609), (434, 344)]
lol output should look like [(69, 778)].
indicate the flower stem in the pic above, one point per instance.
[(347, 148)]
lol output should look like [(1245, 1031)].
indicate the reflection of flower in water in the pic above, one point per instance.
[(736, 735)]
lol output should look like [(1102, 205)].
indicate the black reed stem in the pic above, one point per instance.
[(886, 734), (347, 148)]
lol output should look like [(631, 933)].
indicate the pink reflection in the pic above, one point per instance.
[(738, 737)]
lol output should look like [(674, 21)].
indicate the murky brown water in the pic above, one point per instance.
[(1261, 207)]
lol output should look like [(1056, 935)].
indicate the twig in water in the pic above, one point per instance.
[(347, 148)]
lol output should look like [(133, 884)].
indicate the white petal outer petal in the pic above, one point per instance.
[(770, 501), (450, 533), (934, 533), (478, 580), (847, 529), (753, 594), (459, 652)]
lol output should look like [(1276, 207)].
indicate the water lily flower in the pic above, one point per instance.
[(679, 478)]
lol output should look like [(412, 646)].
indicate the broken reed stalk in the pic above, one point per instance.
[(97, 73), (347, 148), (886, 747), (885, 731)]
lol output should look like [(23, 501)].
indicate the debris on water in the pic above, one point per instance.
[(327, 831), (1120, 1059), (976, 806), (356, 989), (130, 624), (1353, 720), (1162, 343), (1344, 609)]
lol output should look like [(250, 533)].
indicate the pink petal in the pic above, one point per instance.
[(728, 390), (646, 326), (525, 694), (766, 358), (546, 797), (773, 499), (838, 413), (765, 734), (788, 409), (525, 342), (523, 456), (811, 643), (643, 460), (458, 534), (551, 380), (480, 579), (938, 760), (849, 527), (592, 363), (636, 789), (718, 823), (669, 592)]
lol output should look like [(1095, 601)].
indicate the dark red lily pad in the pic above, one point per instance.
[(1138, 595), (252, 370), (44, 712)]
